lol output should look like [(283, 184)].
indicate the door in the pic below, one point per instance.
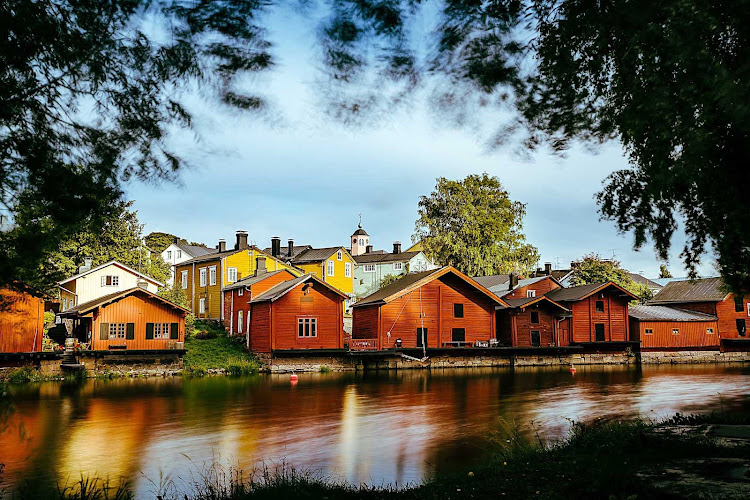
[(535, 338), (599, 331), (421, 337), (458, 335)]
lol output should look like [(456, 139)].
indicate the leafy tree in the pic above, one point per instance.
[(175, 294), (119, 238), (390, 278), (593, 269), (473, 225), (158, 241), (664, 271)]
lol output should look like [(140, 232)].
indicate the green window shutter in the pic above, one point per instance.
[(174, 331), (103, 331), (130, 331), (149, 331)]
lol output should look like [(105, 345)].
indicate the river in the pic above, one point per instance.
[(378, 428)]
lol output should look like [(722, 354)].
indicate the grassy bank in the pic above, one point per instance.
[(610, 460), (209, 348)]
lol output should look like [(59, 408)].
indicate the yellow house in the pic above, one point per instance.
[(334, 265), (204, 278)]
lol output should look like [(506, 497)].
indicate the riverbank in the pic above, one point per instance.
[(683, 457)]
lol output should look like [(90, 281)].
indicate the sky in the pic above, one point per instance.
[(294, 173)]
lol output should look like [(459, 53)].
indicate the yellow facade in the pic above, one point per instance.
[(227, 268), (338, 279)]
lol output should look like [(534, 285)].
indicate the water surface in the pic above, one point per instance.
[(376, 428)]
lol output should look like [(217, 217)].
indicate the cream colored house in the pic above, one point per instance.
[(108, 278)]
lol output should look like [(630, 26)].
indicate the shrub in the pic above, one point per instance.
[(23, 375), (204, 334), (239, 366)]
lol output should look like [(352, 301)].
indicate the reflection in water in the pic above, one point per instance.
[(377, 428)]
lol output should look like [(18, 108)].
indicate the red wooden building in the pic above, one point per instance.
[(437, 308), (133, 319), (21, 320), (661, 328), (237, 296), (299, 313), (531, 322), (598, 313), (709, 296)]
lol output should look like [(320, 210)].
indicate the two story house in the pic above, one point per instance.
[(178, 252), (373, 267)]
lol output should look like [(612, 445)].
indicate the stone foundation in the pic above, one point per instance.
[(133, 365), (679, 357)]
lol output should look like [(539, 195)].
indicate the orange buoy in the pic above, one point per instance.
[(293, 377), (572, 369)]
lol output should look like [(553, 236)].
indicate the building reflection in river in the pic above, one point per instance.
[(374, 428)]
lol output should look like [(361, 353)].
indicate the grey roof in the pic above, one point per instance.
[(195, 250), (112, 297), (211, 256), (574, 293), (376, 258), (705, 290), (284, 253), (360, 232), (279, 290), (643, 280), (315, 255), (664, 313), (115, 263), (492, 281), (251, 280), (514, 303), (502, 289), (393, 288)]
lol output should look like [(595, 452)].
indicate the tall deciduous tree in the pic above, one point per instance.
[(664, 271), (593, 269), (474, 226)]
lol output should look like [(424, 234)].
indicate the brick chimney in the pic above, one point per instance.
[(368, 249), (241, 243), (290, 248), (396, 247), (275, 246), (222, 246), (548, 268), (260, 265), (512, 281)]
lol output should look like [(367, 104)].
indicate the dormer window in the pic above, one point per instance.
[(530, 293), (339, 255), (110, 280)]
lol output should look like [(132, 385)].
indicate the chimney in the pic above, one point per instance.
[(290, 248), (87, 261), (548, 268), (275, 246), (241, 240), (396, 247), (368, 249), (260, 265), (222, 246), (143, 284), (176, 239), (512, 281)]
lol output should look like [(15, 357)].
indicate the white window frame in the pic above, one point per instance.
[(709, 331), (202, 305), (184, 277), (116, 331), (369, 268), (648, 331), (398, 266), (212, 275), (231, 274), (203, 273), (114, 280), (240, 292), (178, 254), (530, 294), (339, 255), (331, 267), (675, 331), (361, 242), (307, 327), (161, 330), (239, 321), (169, 254), (347, 269)]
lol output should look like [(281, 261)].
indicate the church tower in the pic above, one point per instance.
[(360, 240)]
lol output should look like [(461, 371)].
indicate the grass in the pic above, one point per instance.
[(600, 460), (27, 374), (215, 350)]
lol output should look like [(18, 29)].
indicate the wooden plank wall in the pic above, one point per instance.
[(365, 322), (137, 310), (728, 316), (21, 322), (233, 302), (691, 334), (319, 302), (260, 327), (614, 318), (542, 287), (545, 327)]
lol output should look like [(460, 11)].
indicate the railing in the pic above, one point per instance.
[(363, 344)]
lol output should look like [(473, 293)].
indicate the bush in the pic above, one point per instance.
[(23, 375), (204, 334), (240, 366)]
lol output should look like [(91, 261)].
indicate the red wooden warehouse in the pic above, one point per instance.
[(661, 328), (133, 319), (21, 321), (438, 308), (299, 313)]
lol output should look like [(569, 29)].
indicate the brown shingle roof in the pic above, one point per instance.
[(195, 250), (284, 254), (664, 313), (253, 279), (376, 258), (279, 290), (704, 290), (575, 293), (643, 280), (494, 280), (316, 255), (526, 301)]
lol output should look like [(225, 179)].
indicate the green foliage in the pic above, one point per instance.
[(390, 278), (474, 226), (215, 350), (593, 269), (24, 375), (664, 271), (176, 295), (158, 242)]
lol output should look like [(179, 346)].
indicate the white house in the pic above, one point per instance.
[(373, 266), (92, 283), (178, 252)]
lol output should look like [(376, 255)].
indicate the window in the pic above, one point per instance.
[(348, 270), (212, 275), (64, 304), (421, 337), (398, 266), (535, 316), (536, 340), (458, 310), (161, 330), (169, 254), (330, 268), (675, 331), (361, 242), (709, 331), (203, 276), (239, 321), (231, 274), (369, 268), (179, 254), (741, 327), (458, 335), (184, 280), (240, 292), (600, 306), (339, 255), (354, 241), (307, 327), (110, 280), (599, 332), (202, 306), (117, 331), (530, 293), (648, 331), (738, 303)]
